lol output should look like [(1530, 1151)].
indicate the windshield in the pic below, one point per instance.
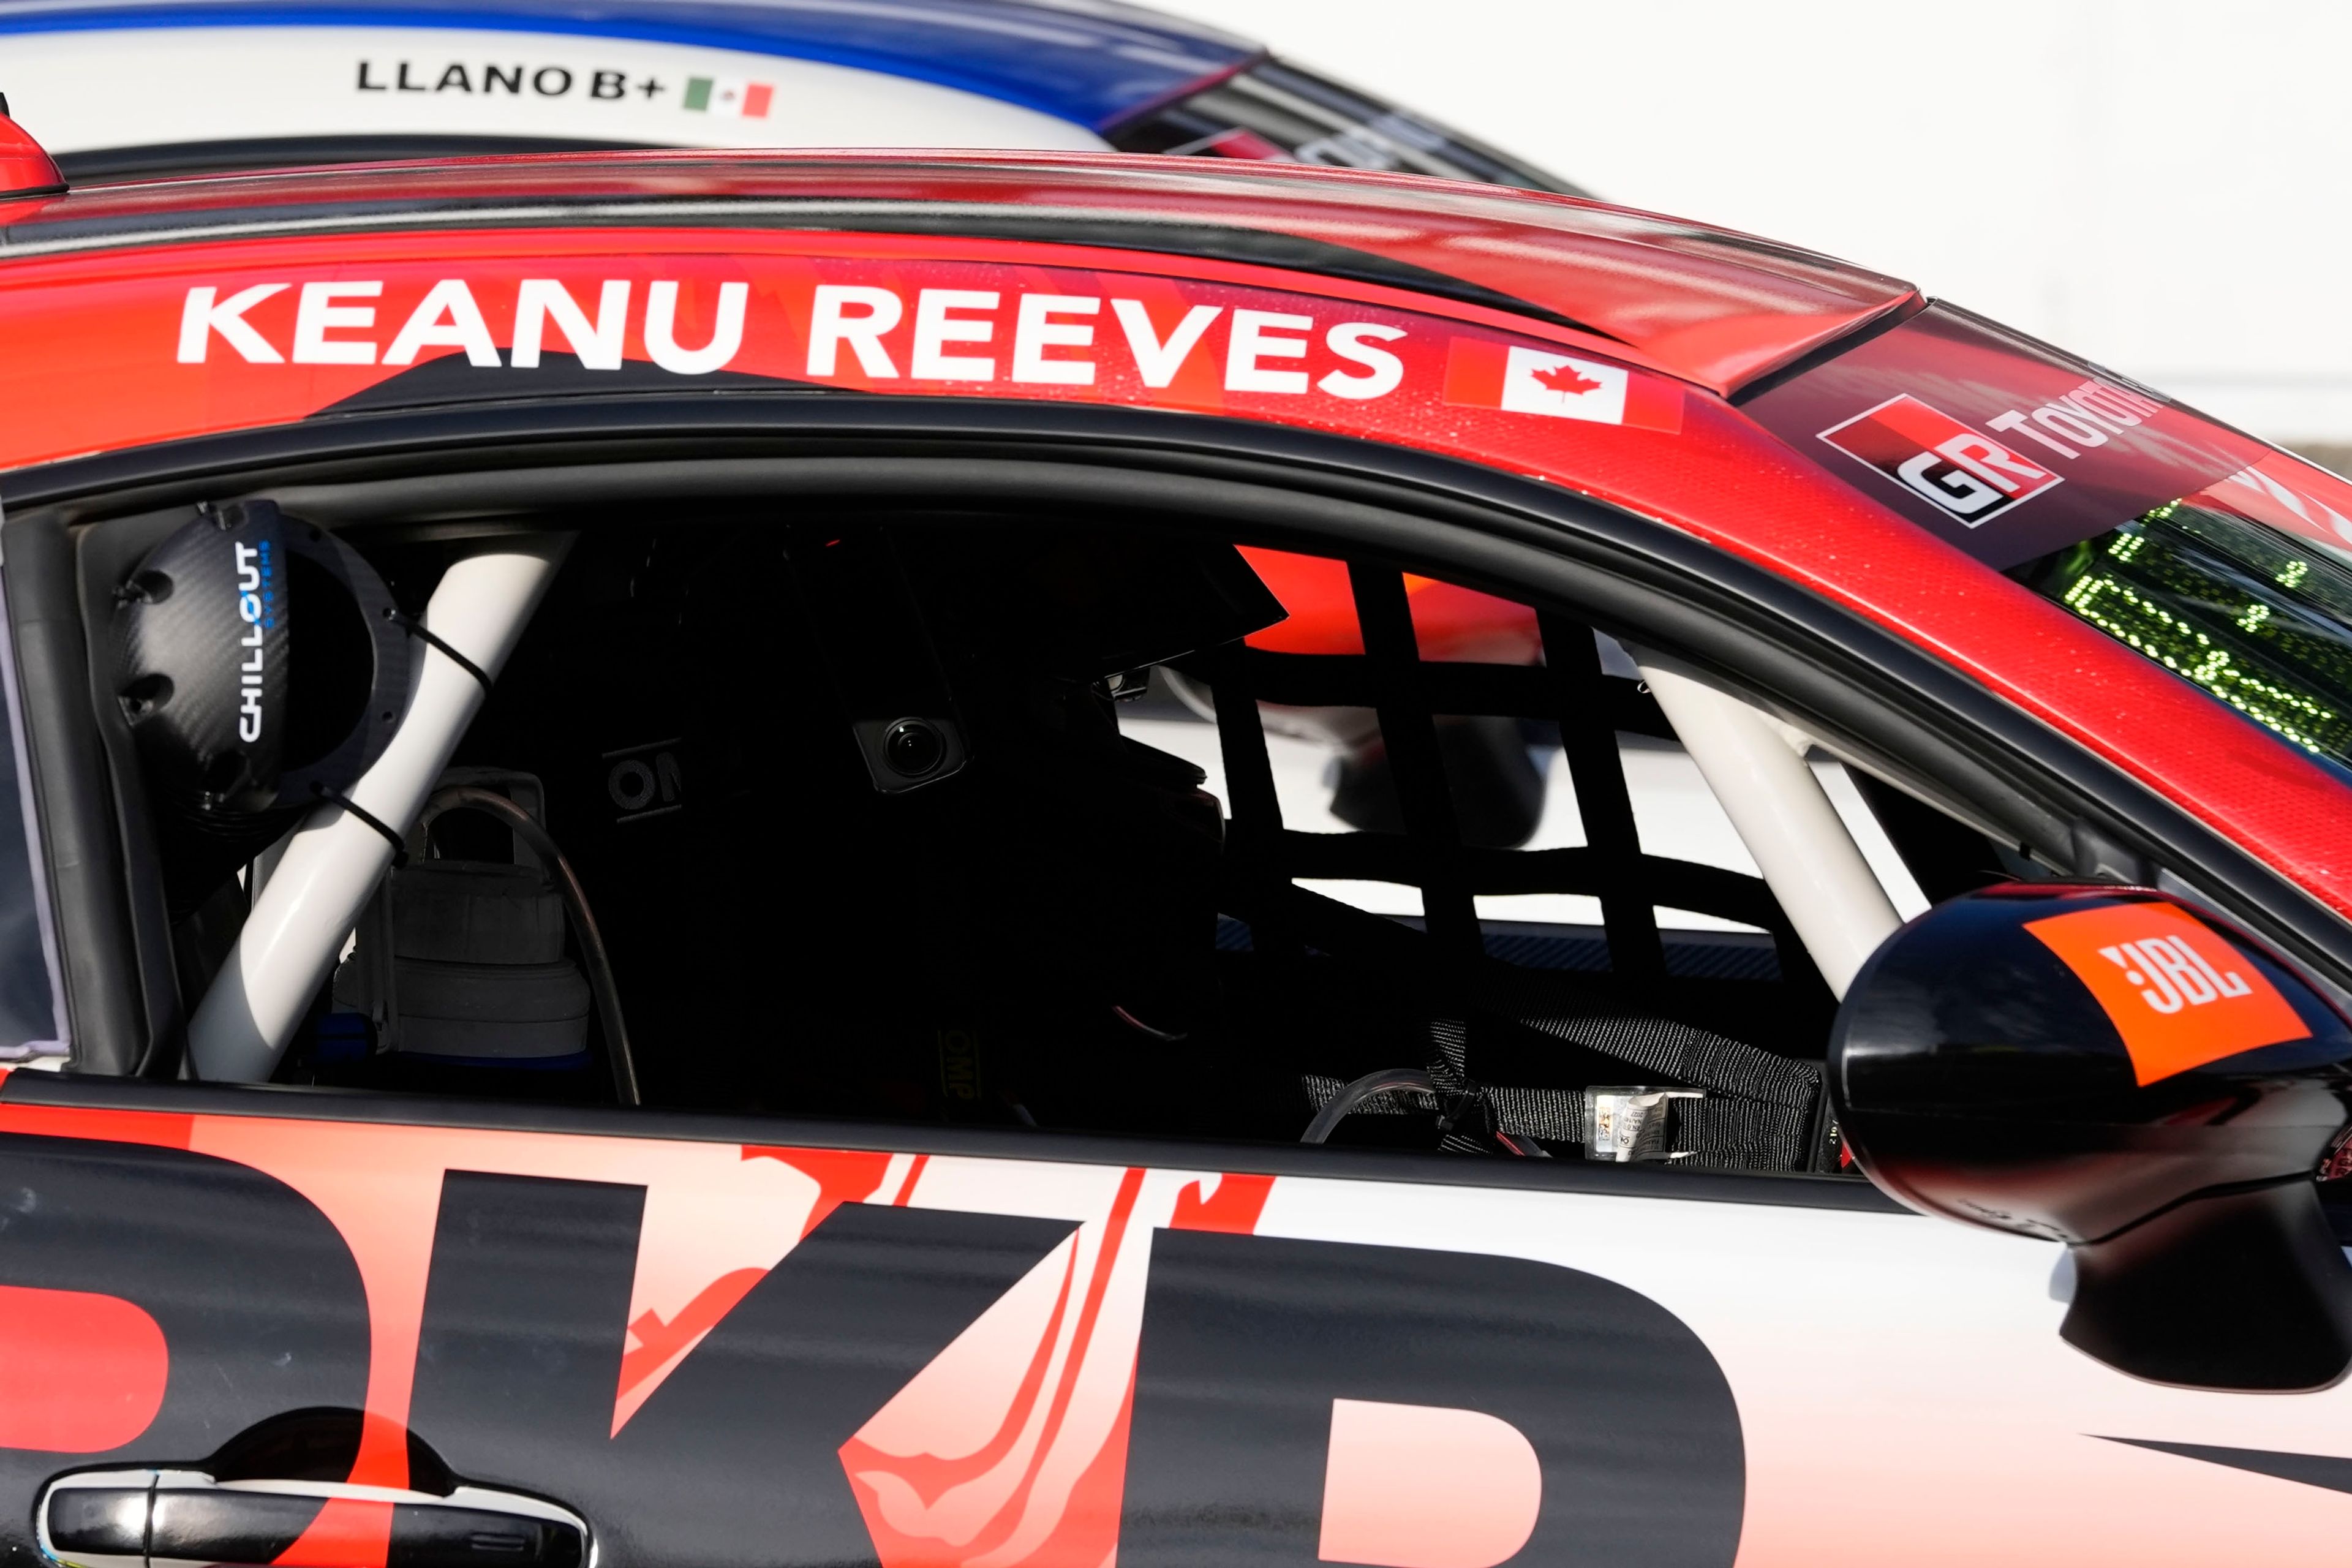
[(1275, 113), (2226, 560), (2258, 617)]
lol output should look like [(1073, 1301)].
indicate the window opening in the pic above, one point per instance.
[(1049, 923), (1482, 994)]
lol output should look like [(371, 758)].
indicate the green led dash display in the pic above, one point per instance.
[(2262, 621)]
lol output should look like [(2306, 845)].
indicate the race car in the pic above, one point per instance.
[(127, 91), (670, 910)]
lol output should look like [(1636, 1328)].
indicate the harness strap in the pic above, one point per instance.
[(1759, 1112), (1715, 1132)]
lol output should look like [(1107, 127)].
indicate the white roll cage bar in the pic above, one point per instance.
[(331, 863)]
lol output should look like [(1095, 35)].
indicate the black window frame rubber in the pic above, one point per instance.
[(252, 154), (84, 859), (1855, 686)]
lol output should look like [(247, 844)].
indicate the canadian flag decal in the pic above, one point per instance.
[(1483, 374)]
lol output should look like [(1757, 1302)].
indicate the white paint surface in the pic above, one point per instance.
[(81, 91)]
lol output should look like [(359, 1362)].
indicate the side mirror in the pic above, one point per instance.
[(2104, 1067)]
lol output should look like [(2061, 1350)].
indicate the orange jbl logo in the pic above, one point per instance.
[(2172, 975), (2178, 993)]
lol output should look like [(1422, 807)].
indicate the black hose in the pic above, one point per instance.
[(575, 902)]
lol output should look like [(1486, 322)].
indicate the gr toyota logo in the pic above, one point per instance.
[(1934, 456)]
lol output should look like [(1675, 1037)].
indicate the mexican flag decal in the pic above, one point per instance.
[(1483, 374), (730, 96)]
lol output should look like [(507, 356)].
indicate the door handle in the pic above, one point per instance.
[(184, 1519)]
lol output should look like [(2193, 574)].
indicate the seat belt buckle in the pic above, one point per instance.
[(1625, 1123)]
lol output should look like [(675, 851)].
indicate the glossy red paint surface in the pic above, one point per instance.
[(85, 1373), (93, 335), (25, 166), (96, 336), (1712, 307)]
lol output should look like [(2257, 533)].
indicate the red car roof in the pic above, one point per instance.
[(1442, 317), (1712, 307)]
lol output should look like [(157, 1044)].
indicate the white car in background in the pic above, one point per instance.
[(122, 91)]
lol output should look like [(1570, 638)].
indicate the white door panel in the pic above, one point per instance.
[(1903, 1394)]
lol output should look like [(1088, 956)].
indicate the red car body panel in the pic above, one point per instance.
[(25, 166), (1715, 307), (92, 329), (380, 1186)]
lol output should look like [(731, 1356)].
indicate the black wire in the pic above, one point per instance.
[(399, 848), (424, 634), (575, 899), (1363, 1088)]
